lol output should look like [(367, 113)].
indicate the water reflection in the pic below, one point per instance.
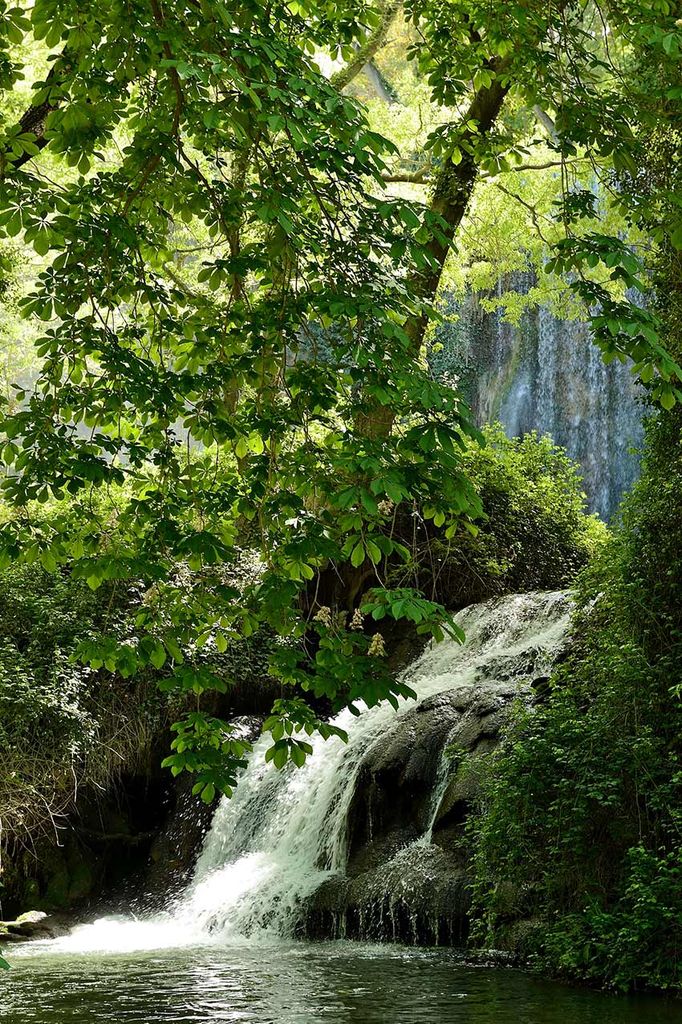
[(300, 984)]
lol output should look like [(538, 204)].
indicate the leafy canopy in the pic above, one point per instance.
[(228, 298), (218, 222)]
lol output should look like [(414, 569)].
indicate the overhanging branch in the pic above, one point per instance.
[(34, 119), (365, 53), (423, 175)]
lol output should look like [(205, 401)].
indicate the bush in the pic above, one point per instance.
[(69, 731), (535, 534), (61, 725), (582, 809)]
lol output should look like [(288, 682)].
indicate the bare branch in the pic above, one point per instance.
[(534, 216), (546, 121)]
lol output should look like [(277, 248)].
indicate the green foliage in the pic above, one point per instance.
[(216, 207), (40, 617), (634, 942), (212, 750), (535, 534), (568, 62), (579, 831), (194, 391), (65, 727), (582, 810), (61, 724)]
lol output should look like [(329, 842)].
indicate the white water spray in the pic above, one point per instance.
[(284, 833)]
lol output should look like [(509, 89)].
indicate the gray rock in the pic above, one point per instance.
[(407, 871), (35, 924)]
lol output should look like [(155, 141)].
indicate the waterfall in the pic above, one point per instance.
[(547, 375), (284, 834)]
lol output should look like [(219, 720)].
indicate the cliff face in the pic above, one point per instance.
[(547, 375)]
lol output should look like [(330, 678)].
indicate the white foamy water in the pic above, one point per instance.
[(284, 832)]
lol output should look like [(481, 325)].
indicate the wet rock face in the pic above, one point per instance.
[(407, 868), (393, 803), (417, 897), (547, 375), (173, 852), (407, 857)]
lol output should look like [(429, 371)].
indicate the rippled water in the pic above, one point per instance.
[(299, 984)]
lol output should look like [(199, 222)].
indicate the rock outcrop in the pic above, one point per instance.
[(407, 859)]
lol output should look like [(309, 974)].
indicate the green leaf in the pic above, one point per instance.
[(297, 755), (158, 656), (374, 552), (281, 755), (357, 555), (667, 398), (49, 562)]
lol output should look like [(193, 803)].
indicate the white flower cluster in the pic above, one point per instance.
[(377, 648), (324, 616), (358, 620)]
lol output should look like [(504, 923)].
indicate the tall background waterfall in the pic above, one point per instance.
[(547, 375), (366, 839)]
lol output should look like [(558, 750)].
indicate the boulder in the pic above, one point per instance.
[(407, 871), (35, 924)]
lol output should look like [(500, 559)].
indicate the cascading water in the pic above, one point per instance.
[(547, 375), (284, 835)]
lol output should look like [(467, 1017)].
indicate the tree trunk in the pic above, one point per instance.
[(453, 187)]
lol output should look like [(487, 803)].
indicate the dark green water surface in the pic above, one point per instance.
[(299, 984)]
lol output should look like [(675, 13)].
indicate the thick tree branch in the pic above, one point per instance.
[(420, 177), (423, 176), (181, 284), (365, 53), (33, 121), (453, 186), (522, 168)]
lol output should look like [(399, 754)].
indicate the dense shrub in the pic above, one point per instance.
[(62, 725), (535, 533), (581, 821), (66, 729), (579, 834)]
